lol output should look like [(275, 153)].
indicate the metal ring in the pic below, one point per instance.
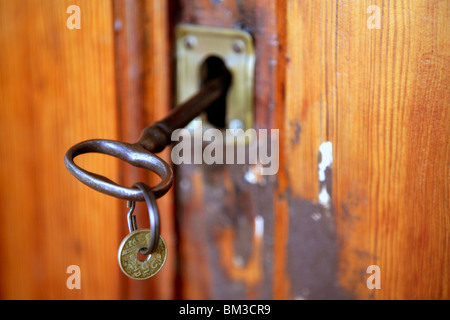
[(133, 154), (154, 218)]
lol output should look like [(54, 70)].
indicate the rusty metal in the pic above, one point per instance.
[(153, 139)]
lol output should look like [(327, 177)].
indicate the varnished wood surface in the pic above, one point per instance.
[(56, 88), (221, 256), (379, 96), (391, 173), (143, 78), (59, 87)]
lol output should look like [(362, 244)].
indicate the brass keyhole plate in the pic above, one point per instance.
[(194, 44)]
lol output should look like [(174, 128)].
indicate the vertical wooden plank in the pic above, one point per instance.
[(235, 226), (195, 270), (298, 257), (306, 247), (158, 102), (379, 97), (129, 53), (281, 281), (56, 89), (322, 77), (143, 77), (391, 169)]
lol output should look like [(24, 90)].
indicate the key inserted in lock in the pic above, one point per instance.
[(211, 93), (235, 49)]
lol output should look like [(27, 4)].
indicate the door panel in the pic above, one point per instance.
[(376, 100), (379, 97), (143, 77), (388, 118), (223, 256)]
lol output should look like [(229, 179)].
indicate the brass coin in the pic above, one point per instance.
[(128, 255)]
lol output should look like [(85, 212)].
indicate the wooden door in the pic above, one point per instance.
[(358, 90), (375, 96)]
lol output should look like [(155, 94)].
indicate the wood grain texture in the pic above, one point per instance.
[(56, 89), (381, 98), (294, 257), (222, 255), (158, 102), (393, 173)]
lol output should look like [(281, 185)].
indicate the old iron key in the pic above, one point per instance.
[(153, 139), (141, 154)]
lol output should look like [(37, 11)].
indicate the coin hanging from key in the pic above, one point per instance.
[(144, 241), (129, 260)]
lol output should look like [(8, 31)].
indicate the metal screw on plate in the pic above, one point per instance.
[(238, 46), (190, 42)]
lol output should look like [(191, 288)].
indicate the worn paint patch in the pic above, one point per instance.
[(324, 197), (254, 175), (238, 219), (325, 161), (259, 226), (313, 252), (312, 246)]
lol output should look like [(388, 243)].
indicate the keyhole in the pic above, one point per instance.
[(211, 68)]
